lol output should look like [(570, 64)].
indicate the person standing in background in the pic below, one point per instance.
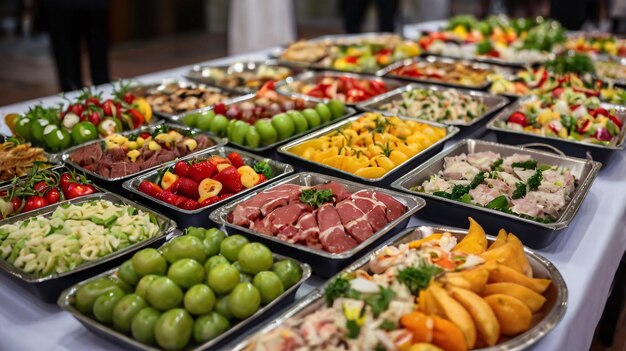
[(354, 14), (68, 22)]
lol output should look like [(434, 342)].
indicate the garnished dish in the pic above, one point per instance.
[(84, 119), (17, 158), (447, 106), (565, 71), (498, 37), (365, 54), (192, 290), (176, 97), (121, 155), (567, 115), (453, 72), (42, 187), (343, 88), (610, 70), (239, 77), (606, 44), (264, 119), (73, 235), (435, 293), (370, 146), (326, 217), (191, 185), (516, 184)]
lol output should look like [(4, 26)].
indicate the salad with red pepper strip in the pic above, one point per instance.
[(344, 89), (567, 114), (42, 188)]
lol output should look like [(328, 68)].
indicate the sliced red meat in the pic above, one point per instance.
[(203, 142), (118, 169), (103, 169), (264, 203), (285, 216), (164, 156), (333, 237), (354, 220), (309, 232), (373, 209), (395, 209), (87, 155), (339, 191), (115, 155)]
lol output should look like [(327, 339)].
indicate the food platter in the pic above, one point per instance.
[(48, 287), (456, 212), (199, 217), (323, 263), (552, 312)]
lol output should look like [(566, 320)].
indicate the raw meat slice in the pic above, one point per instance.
[(263, 203), (284, 216), (395, 209), (373, 209), (333, 237), (354, 220)]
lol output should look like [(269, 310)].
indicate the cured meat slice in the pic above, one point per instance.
[(264, 203), (373, 209), (333, 237), (354, 220)]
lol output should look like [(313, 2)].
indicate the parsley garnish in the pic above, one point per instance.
[(479, 178), (535, 180), (497, 166), (316, 197), (263, 167), (520, 190), (353, 329), (336, 289), (530, 164), (418, 278), (388, 325), (380, 302)]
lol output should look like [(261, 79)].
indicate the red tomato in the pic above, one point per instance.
[(129, 98), (181, 169), (40, 187), (109, 108), (17, 203), (34, 202), (557, 92), (65, 180), (75, 190), (92, 100), (517, 117), (53, 195)]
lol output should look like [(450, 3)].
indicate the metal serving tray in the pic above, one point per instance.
[(552, 311), (199, 217), (49, 287), (495, 60), (286, 87), (114, 184), (534, 234), (309, 100), (570, 147), (66, 299), (324, 263), (492, 102), (472, 65), (146, 89), (387, 178), (618, 60), (197, 73), (53, 161)]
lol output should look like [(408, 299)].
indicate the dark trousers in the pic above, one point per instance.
[(68, 26), (354, 14)]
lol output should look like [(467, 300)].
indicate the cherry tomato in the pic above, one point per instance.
[(129, 98), (76, 109), (41, 187), (53, 195), (92, 100), (75, 190), (34, 202), (17, 203), (219, 108), (65, 180), (518, 118)]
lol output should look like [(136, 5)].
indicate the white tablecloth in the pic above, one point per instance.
[(587, 255)]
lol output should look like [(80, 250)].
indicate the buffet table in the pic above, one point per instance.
[(587, 254)]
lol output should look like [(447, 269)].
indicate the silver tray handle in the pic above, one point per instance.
[(543, 146)]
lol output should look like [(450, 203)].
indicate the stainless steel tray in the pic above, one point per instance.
[(114, 183), (250, 97), (53, 160), (286, 87), (387, 71), (146, 89), (570, 147), (324, 263), (199, 217), (618, 60), (48, 287), (496, 60), (385, 179), (68, 296), (197, 73), (492, 102), (553, 310), (456, 212)]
